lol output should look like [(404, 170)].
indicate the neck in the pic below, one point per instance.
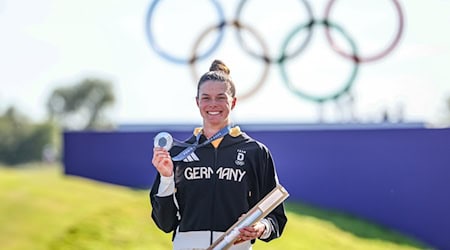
[(209, 131)]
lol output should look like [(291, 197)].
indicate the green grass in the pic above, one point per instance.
[(40, 208)]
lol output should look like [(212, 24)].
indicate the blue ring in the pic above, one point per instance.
[(173, 58)]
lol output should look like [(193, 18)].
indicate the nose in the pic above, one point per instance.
[(213, 102)]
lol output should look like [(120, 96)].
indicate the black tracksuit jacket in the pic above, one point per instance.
[(214, 191)]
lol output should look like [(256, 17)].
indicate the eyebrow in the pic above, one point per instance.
[(220, 94)]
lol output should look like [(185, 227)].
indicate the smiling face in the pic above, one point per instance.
[(215, 104)]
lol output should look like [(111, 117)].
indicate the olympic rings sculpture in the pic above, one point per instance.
[(282, 59)]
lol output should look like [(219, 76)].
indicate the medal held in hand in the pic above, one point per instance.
[(166, 141), (163, 140)]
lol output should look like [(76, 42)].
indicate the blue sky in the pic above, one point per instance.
[(51, 43)]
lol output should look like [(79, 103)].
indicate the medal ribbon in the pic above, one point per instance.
[(192, 147)]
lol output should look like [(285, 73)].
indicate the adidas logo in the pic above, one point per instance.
[(192, 157)]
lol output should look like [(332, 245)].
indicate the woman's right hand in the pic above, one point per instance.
[(162, 161)]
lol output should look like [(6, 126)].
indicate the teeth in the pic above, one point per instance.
[(214, 113)]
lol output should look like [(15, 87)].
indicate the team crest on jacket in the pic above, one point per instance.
[(240, 157)]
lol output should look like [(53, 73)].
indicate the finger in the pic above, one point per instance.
[(250, 233), (239, 240), (161, 155), (159, 149), (247, 230)]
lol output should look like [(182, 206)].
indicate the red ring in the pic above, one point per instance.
[(374, 57)]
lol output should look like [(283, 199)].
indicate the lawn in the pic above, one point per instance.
[(42, 209)]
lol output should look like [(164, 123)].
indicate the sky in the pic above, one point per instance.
[(46, 44)]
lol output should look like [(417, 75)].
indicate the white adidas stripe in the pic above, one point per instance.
[(195, 157), (192, 157)]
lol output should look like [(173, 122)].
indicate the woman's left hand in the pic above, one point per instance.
[(251, 232)]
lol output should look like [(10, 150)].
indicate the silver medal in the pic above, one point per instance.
[(163, 140)]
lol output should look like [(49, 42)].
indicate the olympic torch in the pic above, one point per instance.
[(259, 211)]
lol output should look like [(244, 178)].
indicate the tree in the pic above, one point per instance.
[(22, 141), (82, 105)]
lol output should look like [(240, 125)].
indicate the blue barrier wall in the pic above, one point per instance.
[(396, 177)]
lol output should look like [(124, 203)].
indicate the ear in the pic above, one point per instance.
[(196, 101), (233, 103)]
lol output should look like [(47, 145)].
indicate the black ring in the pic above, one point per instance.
[(283, 57)]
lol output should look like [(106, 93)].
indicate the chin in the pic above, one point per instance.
[(215, 120)]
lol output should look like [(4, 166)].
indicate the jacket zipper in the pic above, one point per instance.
[(213, 197)]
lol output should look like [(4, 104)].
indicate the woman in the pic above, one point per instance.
[(201, 196)]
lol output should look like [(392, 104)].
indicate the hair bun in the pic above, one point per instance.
[(218, 65)]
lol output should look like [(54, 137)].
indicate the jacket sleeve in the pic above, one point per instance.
[(164, 210), (267, 182)]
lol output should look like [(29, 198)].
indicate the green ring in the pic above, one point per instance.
[(347, 85)]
